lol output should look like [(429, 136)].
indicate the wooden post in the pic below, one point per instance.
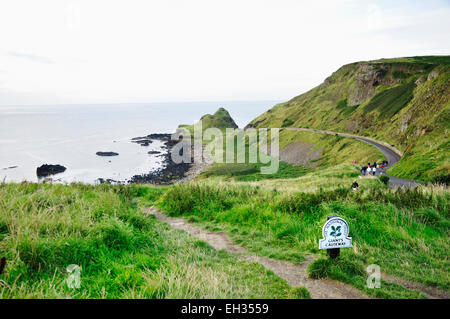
[(333, 252)]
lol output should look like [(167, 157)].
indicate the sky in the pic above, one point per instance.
[(106, 51)]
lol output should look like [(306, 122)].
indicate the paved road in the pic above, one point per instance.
[(392, 159), (392, 154)]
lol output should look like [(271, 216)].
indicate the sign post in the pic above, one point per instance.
[(335, 236)]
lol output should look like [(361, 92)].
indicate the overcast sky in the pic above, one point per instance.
[(97, 51)]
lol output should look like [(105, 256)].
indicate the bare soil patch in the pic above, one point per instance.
[(430, 292), (300, 153)]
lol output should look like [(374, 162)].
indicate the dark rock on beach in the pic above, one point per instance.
[(171, 172), (159, 136), (47, 170), (168, 175), (146, 140), (134, 139), (107, 154), (143, 141)]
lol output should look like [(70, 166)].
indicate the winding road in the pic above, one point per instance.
[(392, 154)]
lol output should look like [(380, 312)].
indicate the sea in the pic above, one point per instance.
[(70, 135)]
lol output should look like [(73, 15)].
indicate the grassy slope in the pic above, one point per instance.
[(221, 119), (313, 181), (123, 253), (336, 150), (408, 114), (405, 232)]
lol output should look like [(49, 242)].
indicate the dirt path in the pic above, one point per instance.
[(430, 292), (295, 275)]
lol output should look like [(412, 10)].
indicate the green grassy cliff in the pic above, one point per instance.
[(403, 101), (221, 120)]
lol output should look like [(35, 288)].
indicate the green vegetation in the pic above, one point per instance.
[(399, 74), (125, 253), (384, 179), (221, 120), (403, 231), (389, 102), (300, 293), (325, 179), (287, 123), (345, 108), (403, 101), (122, 252), (251, 172), (427, 160), (350, 268), (335, 150)]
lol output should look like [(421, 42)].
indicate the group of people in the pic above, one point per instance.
[(372, 169)]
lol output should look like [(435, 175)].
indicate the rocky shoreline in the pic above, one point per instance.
[(171, 172)]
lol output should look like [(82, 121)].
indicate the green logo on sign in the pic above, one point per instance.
[(336, 231)]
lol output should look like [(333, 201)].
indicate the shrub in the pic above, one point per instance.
[(399, 74), (340, 268), (287, 122), (299, 293), (384, 179), (442, 179), (319, 268), (342, 104)]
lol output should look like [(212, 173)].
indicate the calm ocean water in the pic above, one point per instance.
[(70, 135)]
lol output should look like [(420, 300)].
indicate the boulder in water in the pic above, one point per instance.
[(107, 153), (47, 170)]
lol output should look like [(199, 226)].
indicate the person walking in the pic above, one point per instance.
[(374, 170), (369, 169)]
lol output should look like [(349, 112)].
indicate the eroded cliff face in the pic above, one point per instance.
[(367, 78)]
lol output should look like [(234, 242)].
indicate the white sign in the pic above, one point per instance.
[(335, 234)]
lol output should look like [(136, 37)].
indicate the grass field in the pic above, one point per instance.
[(405, 231), (122, 252)]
